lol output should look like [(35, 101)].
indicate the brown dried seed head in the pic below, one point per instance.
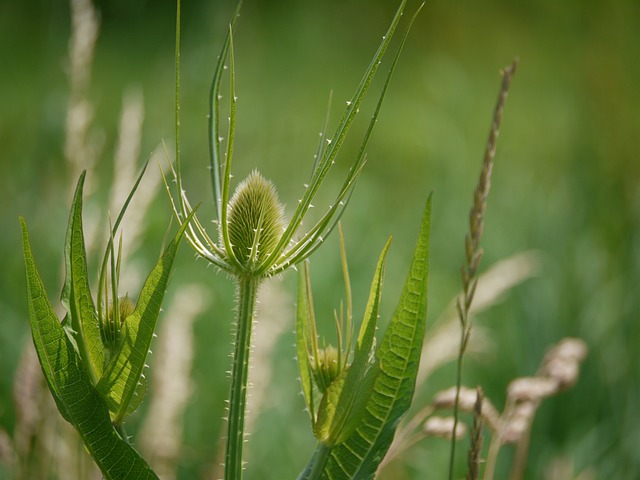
[(532, 388), (562, 362), (443, 427), (446, 400), (519, 423)]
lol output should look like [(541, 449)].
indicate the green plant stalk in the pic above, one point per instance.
[(316, 465), (473, 251), (452, 450), (247, 293)]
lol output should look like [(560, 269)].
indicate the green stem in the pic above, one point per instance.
[(122, 432), (247, 291), (456, 406), (316, 464)]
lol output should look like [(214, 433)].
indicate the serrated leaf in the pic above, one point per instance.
[(138, 395), (399, 356), (122, 375), (82, 319), (76, 398)]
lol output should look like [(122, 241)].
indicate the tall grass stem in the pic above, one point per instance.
[(473, 252)]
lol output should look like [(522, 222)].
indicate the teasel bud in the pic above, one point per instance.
[(256, 220), (326, 367), (117, 312)]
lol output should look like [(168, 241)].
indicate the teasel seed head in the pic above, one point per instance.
[(255, 221)]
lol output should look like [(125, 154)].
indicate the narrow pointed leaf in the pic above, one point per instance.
[(76, 398), (303, 314), (109, 248), (76, 296), (399, 356), (367, 332), (329, 155), (122, 375), (214, 117)]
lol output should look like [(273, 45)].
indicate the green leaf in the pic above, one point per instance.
[(304, 315), (122, 375), (399, 356), (344, 403), (76, 398), (82, 319), (138, 395), (326, 224), (366, 336)]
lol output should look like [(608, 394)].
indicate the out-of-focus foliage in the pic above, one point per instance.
[(566, 182)]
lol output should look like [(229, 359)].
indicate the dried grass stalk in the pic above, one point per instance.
[(475, 448)]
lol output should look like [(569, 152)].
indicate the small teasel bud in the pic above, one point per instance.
[(113, 323), (125, 307), (326, 367), (256, 220)]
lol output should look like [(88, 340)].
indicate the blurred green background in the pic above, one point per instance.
[(566, 183)]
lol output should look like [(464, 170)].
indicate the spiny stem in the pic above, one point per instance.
[(119, 427), (473, 252), (247, 292)]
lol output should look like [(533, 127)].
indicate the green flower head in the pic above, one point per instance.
[(256, 220)]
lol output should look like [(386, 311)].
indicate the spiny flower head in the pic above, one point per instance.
[(256, 220)]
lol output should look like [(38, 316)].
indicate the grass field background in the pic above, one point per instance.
[(566, 184)]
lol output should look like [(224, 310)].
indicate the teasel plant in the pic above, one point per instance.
[(94, 360), (355, 398), (254, 241)]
